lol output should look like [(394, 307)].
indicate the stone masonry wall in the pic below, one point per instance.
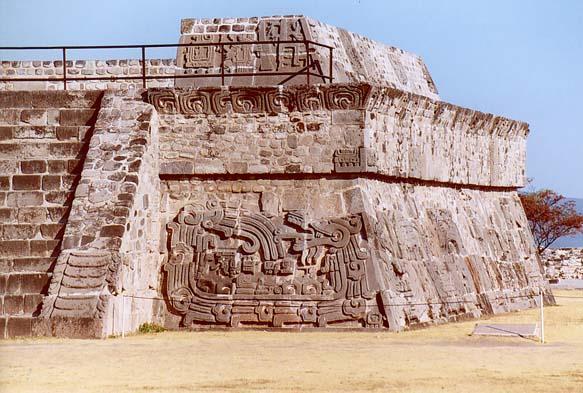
[(424, 245), (336, 128), (86, 69), (355, 58), (110, 245)]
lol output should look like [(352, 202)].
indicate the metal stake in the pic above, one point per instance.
[(542, 318)]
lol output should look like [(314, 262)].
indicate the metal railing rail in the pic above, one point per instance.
[(308, 70)]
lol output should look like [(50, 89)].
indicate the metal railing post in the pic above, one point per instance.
[(308, 62), (64, 68), (144, 67), (222, 64), (331, 70)]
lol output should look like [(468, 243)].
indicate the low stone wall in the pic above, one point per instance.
[(563, 263), (86, 69)]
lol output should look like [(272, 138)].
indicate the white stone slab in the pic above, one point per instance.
[(506, 330)]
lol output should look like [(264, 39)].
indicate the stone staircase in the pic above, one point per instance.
[(43, 139)]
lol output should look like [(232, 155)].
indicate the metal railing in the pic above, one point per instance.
[(311, 69)]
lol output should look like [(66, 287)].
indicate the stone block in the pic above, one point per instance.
[(6, 132), (77, 117), (14, 248), (33, 166), (19, 327), (13, 304), (32, 215), (51, 182), (32, 264), (26, 182), (44, 248), (112, 231), (4, 183), (24, 199), (34, 282)]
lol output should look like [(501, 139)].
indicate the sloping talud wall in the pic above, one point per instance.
[(344, 205)]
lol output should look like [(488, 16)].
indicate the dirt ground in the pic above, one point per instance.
[(440, 358)]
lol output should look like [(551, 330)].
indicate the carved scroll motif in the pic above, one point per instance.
[(233, 267), (258, 99)]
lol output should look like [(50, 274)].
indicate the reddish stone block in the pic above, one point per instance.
[(36, 117), (4, 183), (6, 133), (3, 283), (51, 182), (67, 132), (7, 215), (44, 248), (112, 231), (32, 303), (34, 166), (33, 264), (75, 166), (13, 282), (19, 327), (57, 166), (34, 282), (77, 117), (51, 231), (26, 182), (14, 248), (58, 213), (3, 327), (15, 99), (13, 304)]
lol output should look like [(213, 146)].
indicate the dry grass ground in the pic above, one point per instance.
[(441, 358)]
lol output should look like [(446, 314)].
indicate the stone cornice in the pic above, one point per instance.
[(327, 97)]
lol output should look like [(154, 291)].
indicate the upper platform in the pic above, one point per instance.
[(354, 58)]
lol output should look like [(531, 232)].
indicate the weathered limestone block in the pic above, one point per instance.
[(110, 246)]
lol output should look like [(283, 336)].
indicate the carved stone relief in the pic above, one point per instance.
[(229, 266)]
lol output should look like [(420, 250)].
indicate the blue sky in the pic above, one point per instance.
[(521, 59)]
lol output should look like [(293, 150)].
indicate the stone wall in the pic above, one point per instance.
[(86, 69), (344, 253), (336, 128), (563, 263), (355, 58), (342, 205)]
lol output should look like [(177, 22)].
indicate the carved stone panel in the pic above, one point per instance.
[(229, 266)]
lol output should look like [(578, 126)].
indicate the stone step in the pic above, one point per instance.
[(44, 133), (16, 326), (27, 304), (34, 214), (30, 265), (47, 231), (34, 150), (50, 99), (29, 248), (24, 283), (47, 117), (62, 166)]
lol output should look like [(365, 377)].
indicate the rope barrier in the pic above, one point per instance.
[(403, 304)]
